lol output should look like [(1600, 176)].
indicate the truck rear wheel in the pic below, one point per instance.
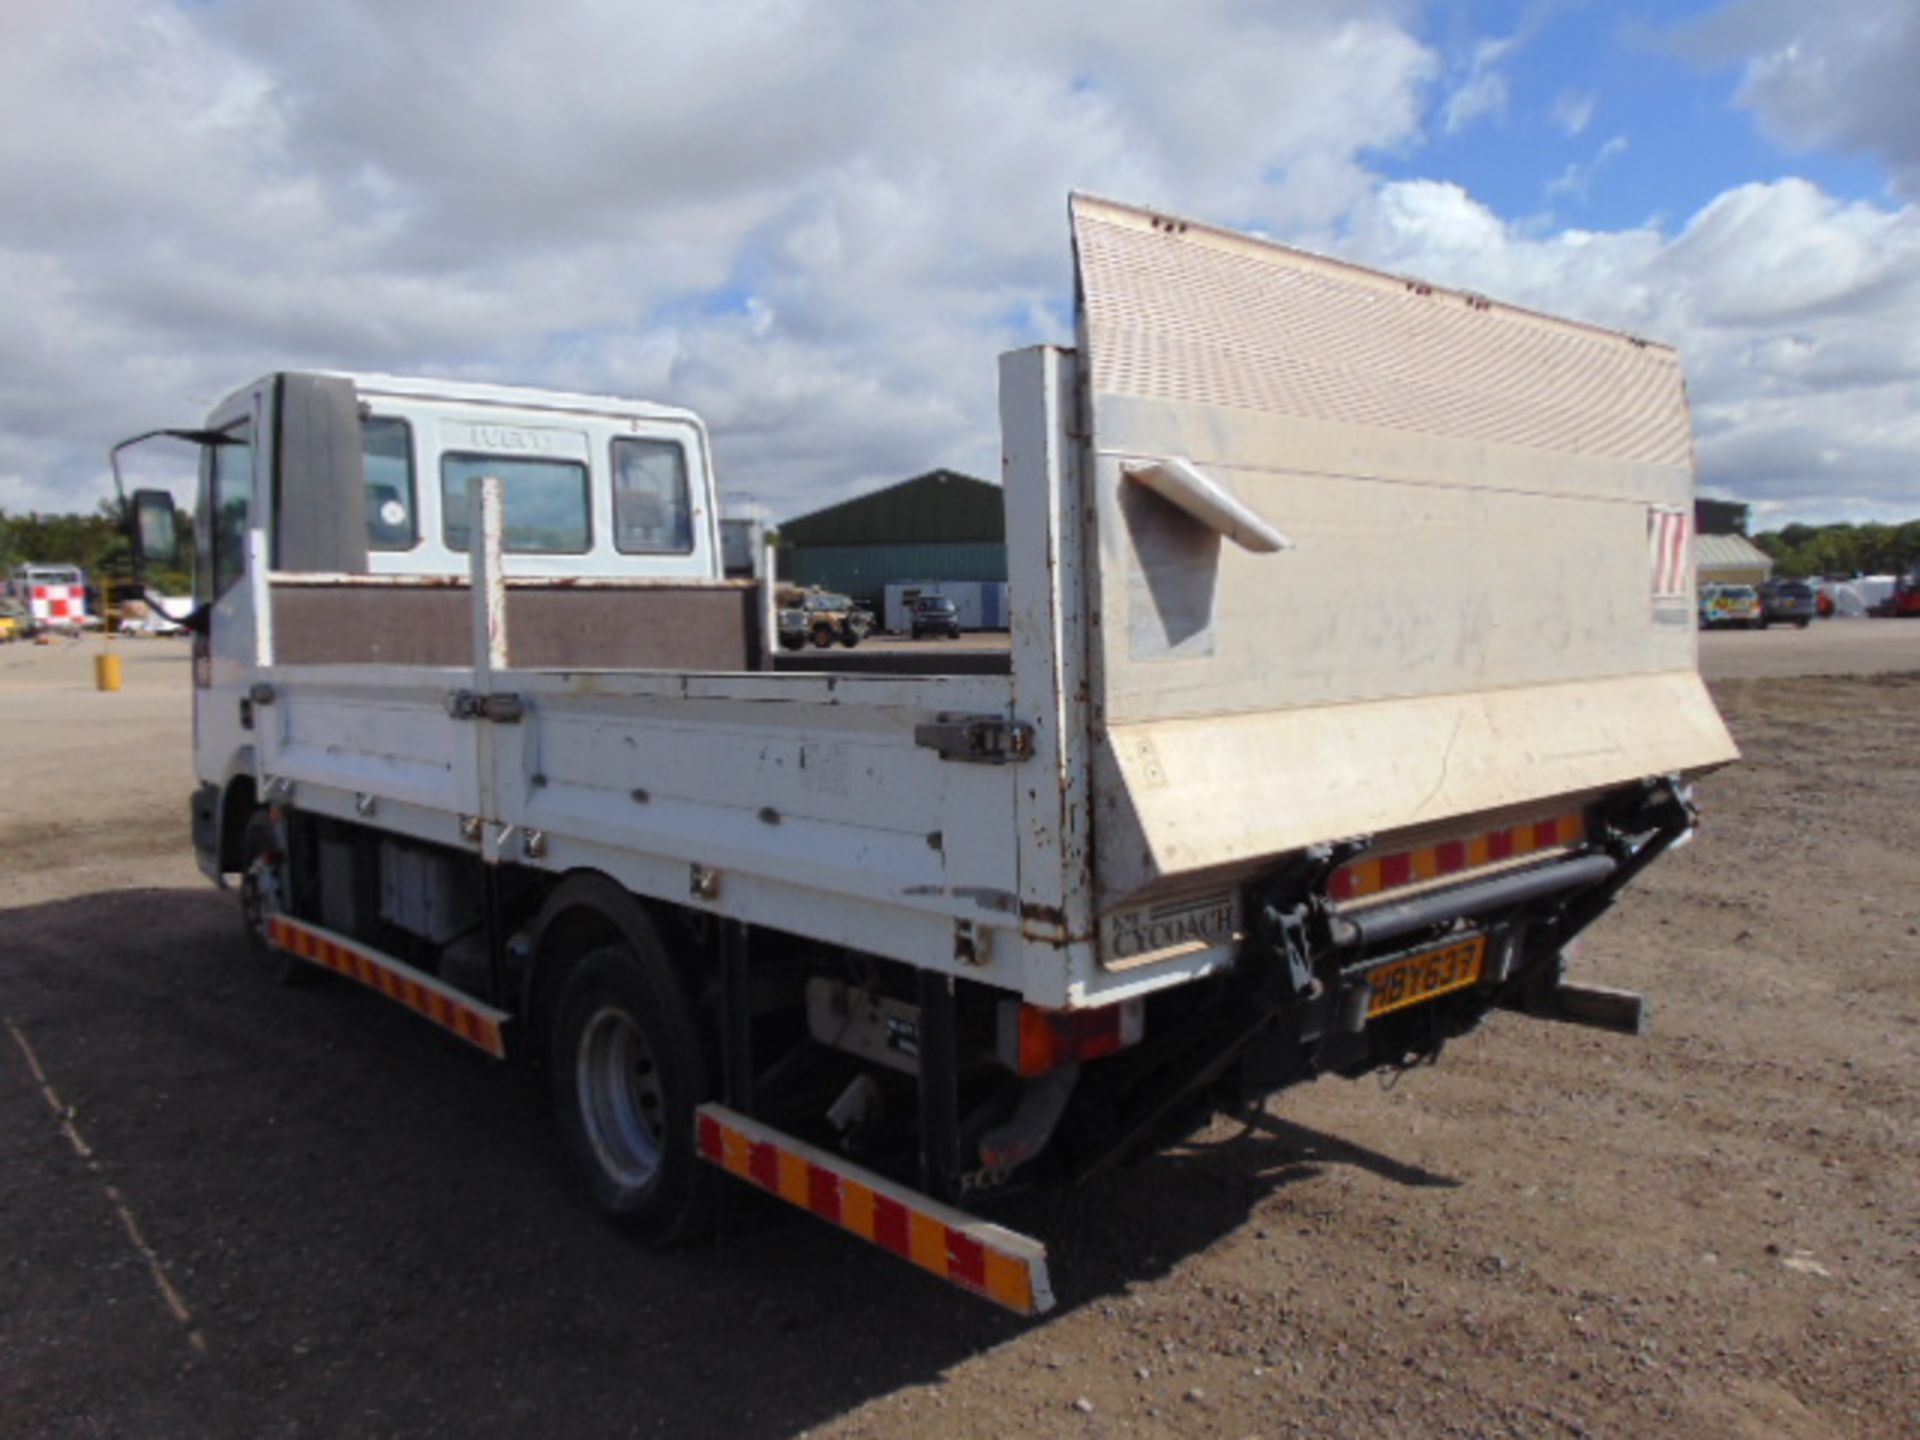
[(628, 1072)]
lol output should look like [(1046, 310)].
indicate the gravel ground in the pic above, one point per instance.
[(232, 1208), (1827, 647)]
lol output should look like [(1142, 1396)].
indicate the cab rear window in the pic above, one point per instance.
[(543, 502), (652, 514)]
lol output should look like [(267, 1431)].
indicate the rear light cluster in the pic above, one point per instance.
[(1034, 1041)]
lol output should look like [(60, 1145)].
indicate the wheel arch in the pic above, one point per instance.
[(586, 910), (239, 798)]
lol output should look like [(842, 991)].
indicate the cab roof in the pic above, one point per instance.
[(519, 397)]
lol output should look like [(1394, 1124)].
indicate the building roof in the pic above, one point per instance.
[(941, 505), (1729, 552)]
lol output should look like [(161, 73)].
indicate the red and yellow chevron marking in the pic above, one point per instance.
[(1394, 869), (992, 1262), (477, 1024)]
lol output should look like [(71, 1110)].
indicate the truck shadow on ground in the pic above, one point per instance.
[(376, 1232)]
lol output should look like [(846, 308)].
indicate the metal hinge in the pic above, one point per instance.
[(501, 709), (977, 739)]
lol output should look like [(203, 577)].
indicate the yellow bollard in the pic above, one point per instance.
[(106, 671)]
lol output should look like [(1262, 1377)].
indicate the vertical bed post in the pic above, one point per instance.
[(488, 595)]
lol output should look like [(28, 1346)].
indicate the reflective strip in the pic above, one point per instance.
[(990, 1261), (479, 1025), (1395, 869)]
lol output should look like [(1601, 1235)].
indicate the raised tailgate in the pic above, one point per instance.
[(1487, 595)]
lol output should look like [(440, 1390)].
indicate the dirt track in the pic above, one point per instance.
[(1714, 1230)]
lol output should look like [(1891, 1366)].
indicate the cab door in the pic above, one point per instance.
[(230, 511)]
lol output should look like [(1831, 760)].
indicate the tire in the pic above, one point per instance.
[(822, 636), (256, 877), (628, 1072), (791, 642), (849, 636)]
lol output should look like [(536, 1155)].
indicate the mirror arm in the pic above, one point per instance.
[(197, 621)]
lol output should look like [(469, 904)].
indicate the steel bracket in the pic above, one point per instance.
[(976, 739), (505, 709)]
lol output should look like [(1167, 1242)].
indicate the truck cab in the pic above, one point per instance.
[(364, 553)]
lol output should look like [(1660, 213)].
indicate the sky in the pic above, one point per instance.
[(818, 222)]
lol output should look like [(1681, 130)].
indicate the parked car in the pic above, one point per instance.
[(1737, 606), (1787, 602), (936, 615), (822, 618), (1905, 599)]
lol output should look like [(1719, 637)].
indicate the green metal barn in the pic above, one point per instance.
[(939, 526)]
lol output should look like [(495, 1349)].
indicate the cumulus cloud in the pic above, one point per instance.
[(1797, 318), (1840, 75), (815, 222)]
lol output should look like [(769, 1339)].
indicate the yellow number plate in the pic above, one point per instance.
[(1423, 976)]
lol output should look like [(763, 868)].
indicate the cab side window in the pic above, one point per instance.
[(386, 448), (229, 499)]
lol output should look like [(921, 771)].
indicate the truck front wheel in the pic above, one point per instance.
[(627, 1074), (261, 873)]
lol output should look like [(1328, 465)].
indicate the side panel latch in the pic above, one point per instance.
[(976, 739), (500, 709)]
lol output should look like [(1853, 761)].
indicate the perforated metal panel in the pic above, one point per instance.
[(1176, 312)]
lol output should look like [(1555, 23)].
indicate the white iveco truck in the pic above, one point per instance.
[(1352, 674)]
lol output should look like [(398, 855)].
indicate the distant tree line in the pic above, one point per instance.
[(1870, 549), (97, 543)]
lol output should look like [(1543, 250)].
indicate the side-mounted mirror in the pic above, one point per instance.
[(155, 534), (153, 527)]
